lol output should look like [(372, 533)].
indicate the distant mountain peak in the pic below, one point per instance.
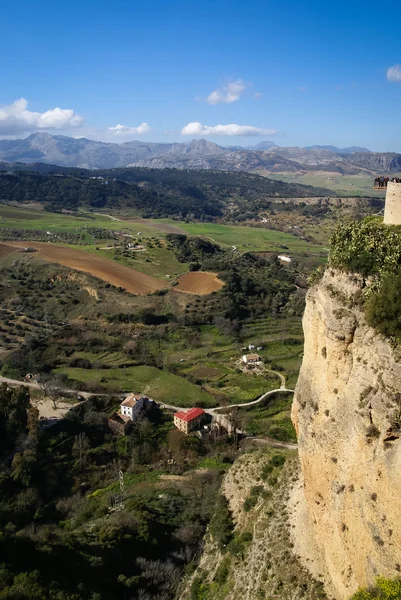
[(265, 145), (195, 154)]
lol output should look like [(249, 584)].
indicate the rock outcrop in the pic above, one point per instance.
[(344, 409)]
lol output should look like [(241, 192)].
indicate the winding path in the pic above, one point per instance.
[(36, 386), (110, 216), (210, 411)]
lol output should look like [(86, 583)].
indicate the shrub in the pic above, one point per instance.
[(385, 589), (250, 503), (366, 247), (383, 308), (223, 571), (222, 525), (277, 460)]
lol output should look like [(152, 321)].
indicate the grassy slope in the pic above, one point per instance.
[(159, 385), (250, 239), (352, 185), (244, 238)]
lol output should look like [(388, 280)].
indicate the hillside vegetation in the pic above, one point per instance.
[(374, 251), (150, 192)]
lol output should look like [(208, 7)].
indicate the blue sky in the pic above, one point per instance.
[(298, 73)]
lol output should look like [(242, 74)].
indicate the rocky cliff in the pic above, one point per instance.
[(346, 513)]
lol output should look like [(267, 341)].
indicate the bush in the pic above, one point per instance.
[(250, 503), (277, 460), (366, 247), (383, 308), (385, 589), (223, 571), (222, 525)]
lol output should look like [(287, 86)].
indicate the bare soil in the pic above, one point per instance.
[(108, 270), (4, 250), (200, 283)]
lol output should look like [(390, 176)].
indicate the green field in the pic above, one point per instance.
[(271, 418), (159, 385), (352, 185), (250, 239)]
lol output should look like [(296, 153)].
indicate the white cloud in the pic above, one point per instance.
[(231, 92), (257, 95), (196, 128), (124, 130), (394, 73), (16, 118)]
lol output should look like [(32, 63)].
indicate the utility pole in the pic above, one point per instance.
[(119, 499)]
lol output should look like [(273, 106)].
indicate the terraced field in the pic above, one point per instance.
[(200, 283), (159, 385)]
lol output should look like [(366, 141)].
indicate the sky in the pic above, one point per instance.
[(233, 72)]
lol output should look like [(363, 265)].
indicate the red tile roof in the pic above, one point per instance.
[(189, 415)]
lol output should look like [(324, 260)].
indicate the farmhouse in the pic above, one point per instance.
[(134, 405), (251, 359), (188, 420)]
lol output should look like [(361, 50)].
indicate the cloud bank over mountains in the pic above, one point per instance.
[(15, 118), (124, 130), (196, 128)]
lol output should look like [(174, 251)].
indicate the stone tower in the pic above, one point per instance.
[(392, 207)]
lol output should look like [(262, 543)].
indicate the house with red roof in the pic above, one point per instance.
[(189, 420)]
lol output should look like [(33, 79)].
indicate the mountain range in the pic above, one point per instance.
[(264, 158)]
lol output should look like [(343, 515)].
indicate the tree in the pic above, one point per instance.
[(23, 466), (80, 450), (51, 390)]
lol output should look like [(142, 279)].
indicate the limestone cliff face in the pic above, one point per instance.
[(349, 507)]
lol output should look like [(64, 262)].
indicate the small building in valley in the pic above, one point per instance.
[(131, 409), (134, 405), (251, 359), (189, 420)]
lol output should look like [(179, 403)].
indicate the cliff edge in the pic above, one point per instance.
[(346, 517)]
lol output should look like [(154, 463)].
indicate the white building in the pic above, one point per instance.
[(250, 359), (284, 258), (133, 405)]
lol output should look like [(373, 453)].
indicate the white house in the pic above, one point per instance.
[(284, 258), (133, 405), (250, 359)]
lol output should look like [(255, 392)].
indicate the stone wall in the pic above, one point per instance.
[(392, 210)]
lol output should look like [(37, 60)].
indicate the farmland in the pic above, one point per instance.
[(199, 283), (113, 273), (181, 343), (159, 385), (251, 239)]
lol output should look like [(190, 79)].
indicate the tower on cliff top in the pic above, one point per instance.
[(392, 207)]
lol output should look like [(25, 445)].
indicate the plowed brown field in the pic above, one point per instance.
[(199, 282), (108, 270), (4, 250)]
